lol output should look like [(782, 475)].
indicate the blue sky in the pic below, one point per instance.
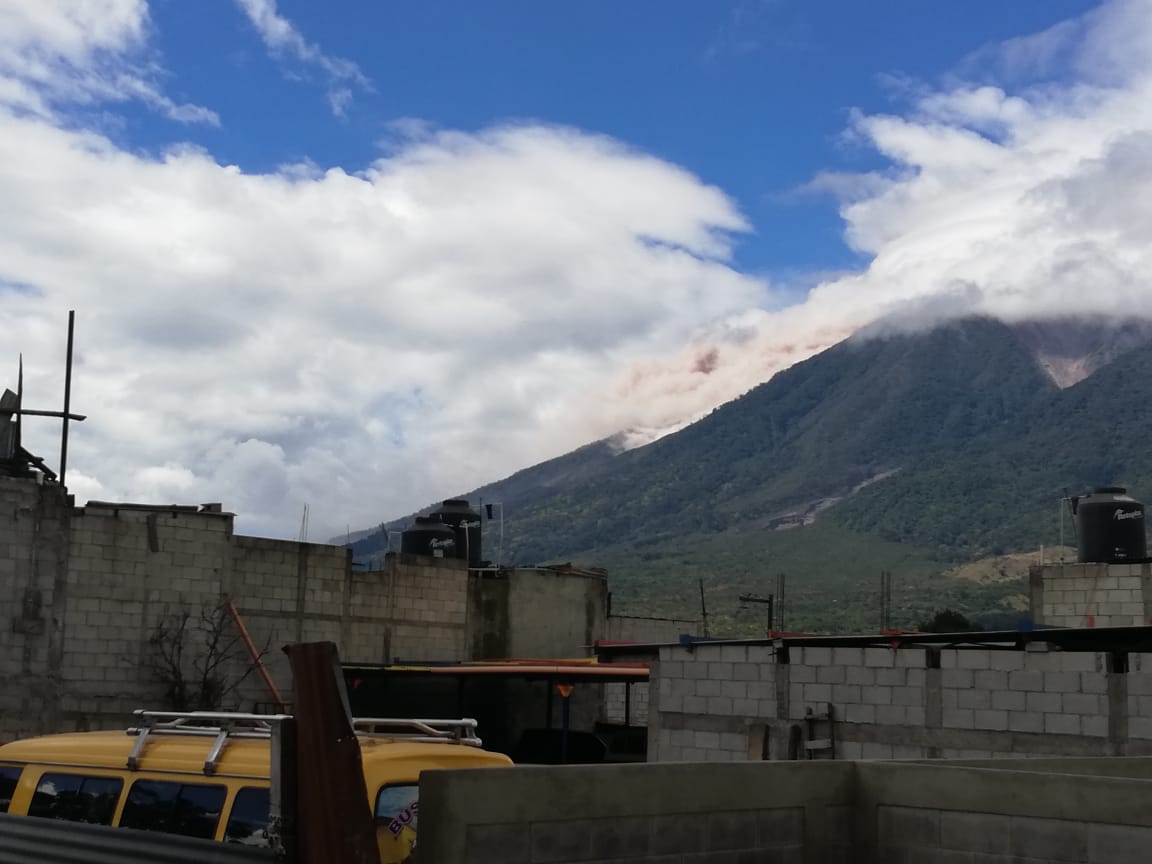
[(364, 255), (751, 95)]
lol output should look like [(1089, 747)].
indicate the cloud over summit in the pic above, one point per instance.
[(367, 338)]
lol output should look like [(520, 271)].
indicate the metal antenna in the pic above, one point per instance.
[(67, 401), (703, 609), (19, 403)]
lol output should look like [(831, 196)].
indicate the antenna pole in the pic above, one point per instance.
[(67, 401), (19, 404), (703, 609)]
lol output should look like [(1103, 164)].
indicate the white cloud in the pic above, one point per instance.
[(472, 303), (69, 52), (284, 40), (350, 341)]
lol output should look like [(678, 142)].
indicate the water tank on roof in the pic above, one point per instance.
[(429, 536), (1110, 527), (459, 515)]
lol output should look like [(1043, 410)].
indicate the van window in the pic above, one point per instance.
[(248, 821), (9, 775), (190, 809), (76, 798), (396, 810)]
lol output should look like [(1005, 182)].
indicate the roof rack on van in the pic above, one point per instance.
[(461, 731), (220, 725), (226, 725)]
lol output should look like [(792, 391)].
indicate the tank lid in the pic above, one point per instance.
[(1110, 490), (428, 520)]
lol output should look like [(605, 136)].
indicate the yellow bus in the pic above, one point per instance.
[(208, 775)]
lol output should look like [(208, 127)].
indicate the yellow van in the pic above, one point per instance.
[(207, 775)]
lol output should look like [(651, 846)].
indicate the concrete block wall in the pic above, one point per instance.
[(82, 590), (34, 525), (1091, 595), (816, 813), (639, 814), (737, 702), (614, 703)]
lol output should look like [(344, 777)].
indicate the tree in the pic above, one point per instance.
[(198, 656), (948, 621)]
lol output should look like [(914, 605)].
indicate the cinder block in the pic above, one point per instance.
[(991, 680), (695, 705), (734, 689), (801, 674), (1093, 682), (1048, 840), (1061, 682), (695, 669), (848, 656), (959, 718), (1080, 661), (719, 705), (907, 696), (893, 715), (1009, 700), (1030, 680), (1082, 703), (761, 654), (957, 677), (1025, 721), (893, 677), (830, 674), (973, 699), (911, 658), (1062, 724), (862, 675), (976, 658), (720, 671), (915, 715), (707, 687), (844, 694), (860, 713), (1095, 725), (1007, 661), (876, 695), (817, 692), (879, 657), (734, 653), (817, 656), (995, 720), (745, 672)]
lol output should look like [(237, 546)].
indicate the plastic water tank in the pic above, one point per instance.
[(428, 536), (1110, 527)]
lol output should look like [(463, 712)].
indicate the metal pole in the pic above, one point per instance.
[(255, 655), (703, 609), (67, 401), (564, 735)]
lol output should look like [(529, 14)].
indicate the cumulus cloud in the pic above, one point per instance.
[(367, 341), (66, 52), (284, 40), (347, 340)]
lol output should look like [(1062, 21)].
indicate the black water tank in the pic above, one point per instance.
[(1110, 527), (429, 536), (465, 521)]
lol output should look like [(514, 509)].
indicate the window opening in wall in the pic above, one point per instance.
[(397, 809), (248, 821), (9, 776), (1118, 662), (189, 809), (76, 798)]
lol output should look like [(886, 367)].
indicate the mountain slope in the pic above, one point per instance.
[(911, 452)]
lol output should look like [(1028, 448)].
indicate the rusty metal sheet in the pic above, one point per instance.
[(333, 819)]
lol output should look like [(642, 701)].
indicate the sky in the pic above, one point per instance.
[(361, 256)]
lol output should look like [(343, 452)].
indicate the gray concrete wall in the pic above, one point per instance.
[(1091, 595), (812, 812), (638, 814), (736, 702), (931, 814), (82, 590)]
